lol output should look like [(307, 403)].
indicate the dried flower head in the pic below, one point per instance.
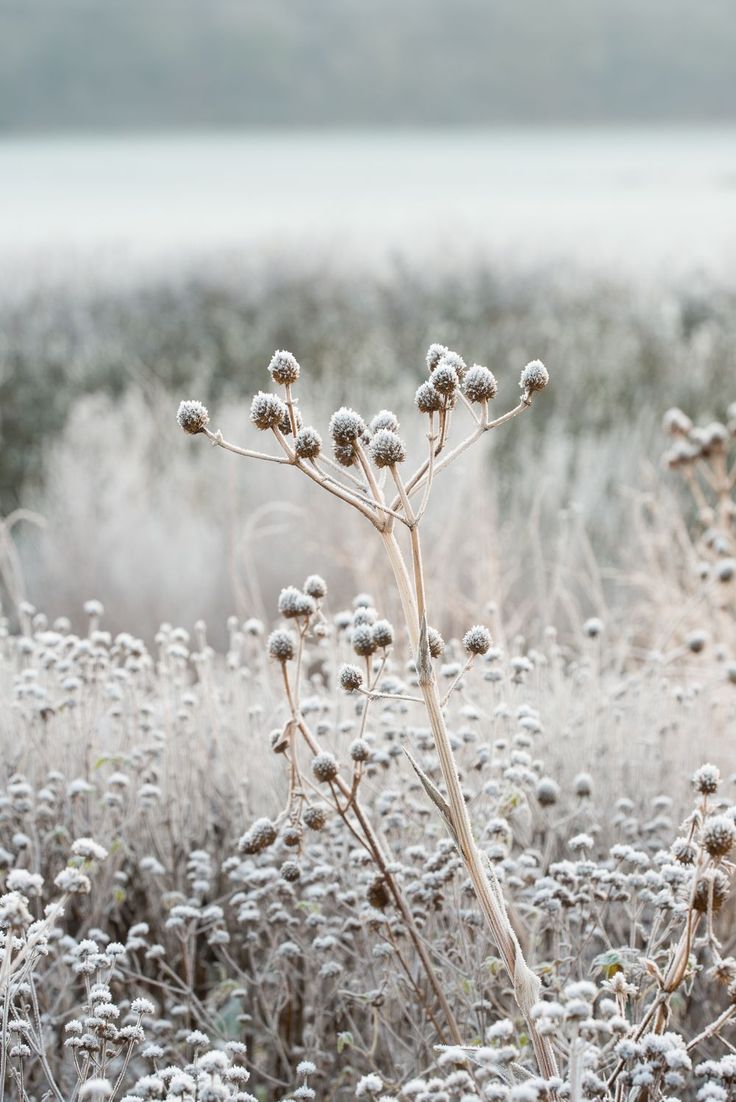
[(192, 416), (360, 750), (260, 836), (350, 678), (548, 791), (281, 646), (284, 368), (315, 587), (387, 449), (480, 384), (290, 871), (706, 779), (719, 835), (345, 454), (445, 378), (363, 641), (346, 426), (324, 767), (435, 642), (427, 399), (383, 633), (315, 817), (534, 377), (435, 352), (384, 419), (711, 890), (477, 640), (294, 603), (267, 411), (308, 443)]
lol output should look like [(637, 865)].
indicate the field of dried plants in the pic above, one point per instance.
[(399, 763)]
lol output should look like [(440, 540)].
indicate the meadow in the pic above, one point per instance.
[(336, 775)]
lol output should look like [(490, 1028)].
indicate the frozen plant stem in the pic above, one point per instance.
[(355, 446)]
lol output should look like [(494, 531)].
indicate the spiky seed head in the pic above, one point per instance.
[(315, 587), (435, 352), (350, 678), (683, 851), (383, 633), (583, 784), (477, 640), (267, 411), (285, 422), (706, 779), (377, 894), (292, 836), (284, 368), (427, 399), (548, 791), (711, 889), (676, 423), (364, 615), (315, 817), (360, 750), (346, 426), (344, 454), (534, 377), (324, 767), (290, 871), (363, 600), (387, 449), (192, 416), (281, 646), (385, 419), (480, 384), (362, 640), (435, 642), (445, 379), (308, 443), (293, 603), (261, 835), (453, 360), (719, 835)]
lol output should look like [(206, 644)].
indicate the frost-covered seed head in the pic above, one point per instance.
[(362, 641), (284, 368), (385, 419), (294, 603), (345, 454), (308, 443), (477, 640), (315, 587), (684, 851), (383, 633), (427, 399), (291, 836), (315, 817), (719, 835), (324, 767), (445, 378), (290, 871), (583, 784), (711, 890), (534, 377), (387, 449), (281, 646), (593, 627), (706, 779), (548, 791), (435, 642), (480, 384), (676, 422), (360, 750), (346, 426), (261, 835), (350, 678), (435, 352), (267, 410), (192, 416)]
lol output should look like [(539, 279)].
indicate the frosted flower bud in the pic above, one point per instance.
[(534, 377), (292, 836), (141, 1005), (385, 419), (719, 835), (290, 871), (436, 642), (362, 641), (267, 410), (683, 851), (350, 678), (477, 640), (453, 360), (445, 378), (548, 791), (73, 881), (192, 416), (308, 443), (284, 368), (285, 422), (427, 399), (261, 835), (88, 849), (360, 750), (344, 454), (306, 1067), (324, 767), (706, 779), (435, 352), (676, 423), (346, 426), (480, 384), (364, 615), (294, 603), (363, 600), (315, 817), (583, 784), (711, 889), (315, 587), (387, 449), (383, 633), (281, 646)]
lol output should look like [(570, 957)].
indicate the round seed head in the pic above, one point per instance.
[(445, 378), (435, 352), (284, 368), (267, 411), (684, 851), (706, 779), (711, 889), (315, 587), (593, 627), (451, 359), (534, 377), (285, 422), (260, 836), (696, 641), (315, 817), (346, 426), (383, 633), (292, 836), (377, 894), (719, 835), (436, 642), (387, 449), (427, 399), (281, 646), (477, 640), (676, 423), (360, 750), (362, 640), (726, 570), (384, 420), (192, 416), (308, 443), (290, 871), (480, 384), (344, 454), (583, 784), (548, 791), (350, 678), (364, 615), (293, 603), (324, 767), (363, 600)]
